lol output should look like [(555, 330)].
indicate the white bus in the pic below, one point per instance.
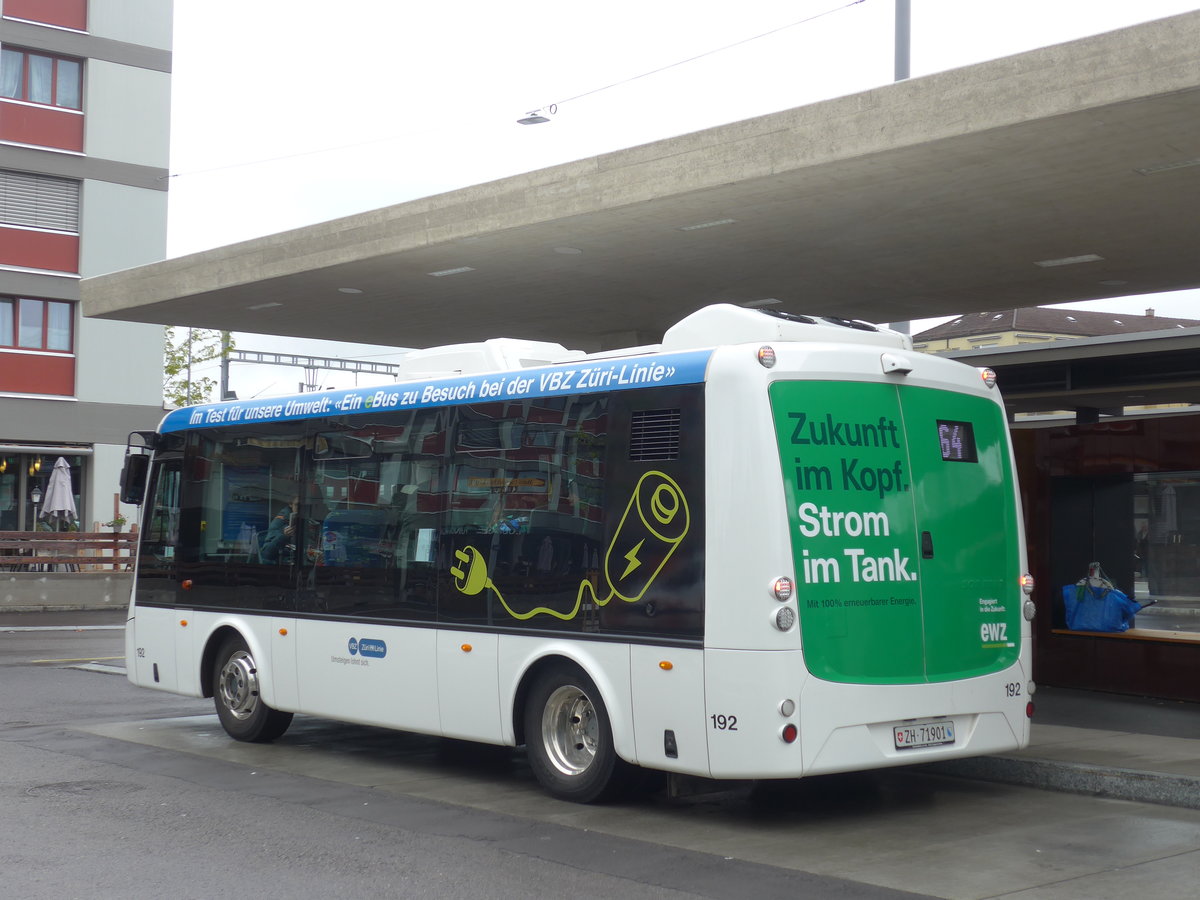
[(772, 546)]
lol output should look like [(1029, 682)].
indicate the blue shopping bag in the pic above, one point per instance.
[(1097, 608)]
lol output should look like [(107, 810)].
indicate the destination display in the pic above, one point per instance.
[(957, 440), (582, 377)]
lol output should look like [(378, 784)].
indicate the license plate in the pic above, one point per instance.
[(923, 734)]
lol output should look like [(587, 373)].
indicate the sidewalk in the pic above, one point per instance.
[(1111, 745), (61, 618)]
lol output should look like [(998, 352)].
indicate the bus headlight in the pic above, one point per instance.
[(785, 618), (1028, 610), (782, 588)]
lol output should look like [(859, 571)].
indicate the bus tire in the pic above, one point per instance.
[(569, 739), (243, 714)]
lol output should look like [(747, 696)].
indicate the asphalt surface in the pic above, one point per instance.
[(109, 790), (1132, 748)]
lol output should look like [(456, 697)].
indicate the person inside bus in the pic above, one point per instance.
[(280, 532)]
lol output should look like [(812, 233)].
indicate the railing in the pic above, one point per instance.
[(67, 551)]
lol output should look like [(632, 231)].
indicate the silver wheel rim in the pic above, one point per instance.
[(238, 685), (570, 730)]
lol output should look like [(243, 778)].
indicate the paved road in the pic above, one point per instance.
[(109, 790)]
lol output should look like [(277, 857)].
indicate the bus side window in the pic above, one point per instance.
[(161, 529), (242, 499)]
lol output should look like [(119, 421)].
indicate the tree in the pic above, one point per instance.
[(187, 348)]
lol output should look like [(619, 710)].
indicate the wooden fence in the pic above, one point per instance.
[(67, 551)]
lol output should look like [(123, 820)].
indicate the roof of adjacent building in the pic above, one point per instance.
[(1042, 320)]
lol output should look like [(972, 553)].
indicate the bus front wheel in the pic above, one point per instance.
[(569, 738), (243, 714)]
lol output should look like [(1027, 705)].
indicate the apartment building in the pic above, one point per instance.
[(85, 89)]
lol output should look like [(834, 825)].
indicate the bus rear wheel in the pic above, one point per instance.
[(569, 738), (243, 714)]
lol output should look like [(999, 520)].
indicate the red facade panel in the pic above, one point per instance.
[(41, 126), (31, 373), (66, 13), (39, 249)]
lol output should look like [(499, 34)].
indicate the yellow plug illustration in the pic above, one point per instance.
[(475, 579), (654, 523)]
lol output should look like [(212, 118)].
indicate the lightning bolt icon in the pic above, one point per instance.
[(634, 562)]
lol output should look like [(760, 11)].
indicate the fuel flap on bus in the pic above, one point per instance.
[(903, 528)]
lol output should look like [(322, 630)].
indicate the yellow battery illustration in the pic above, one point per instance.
[(654, 523), (652, 526)]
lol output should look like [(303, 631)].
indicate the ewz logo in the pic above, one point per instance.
[(993, 631), (369, 647)]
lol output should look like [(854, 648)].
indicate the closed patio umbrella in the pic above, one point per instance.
[(59, 503)]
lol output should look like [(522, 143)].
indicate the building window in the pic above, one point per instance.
[(39, 201), (1166, 521), (29, 324), (20, 473), (40, 78)]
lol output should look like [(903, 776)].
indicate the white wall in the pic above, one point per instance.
[(127, 114), (104, 480), (122, 227), (119, 362), (144, 22)]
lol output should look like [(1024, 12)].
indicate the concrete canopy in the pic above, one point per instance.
[(935, 196)]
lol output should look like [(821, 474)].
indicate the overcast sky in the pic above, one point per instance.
[(284, 115)]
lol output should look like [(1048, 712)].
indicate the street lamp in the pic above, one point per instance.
[(36, 496)]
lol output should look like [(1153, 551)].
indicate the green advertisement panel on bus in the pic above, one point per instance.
[(903, 530)]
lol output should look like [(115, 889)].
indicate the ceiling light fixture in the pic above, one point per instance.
[(457, 271), (258, 306), (712, 224), (535, 117), (349, 291), (1068, 260)]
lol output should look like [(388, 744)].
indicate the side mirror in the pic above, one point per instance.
[(133, 478)]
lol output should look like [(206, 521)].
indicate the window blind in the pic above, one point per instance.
[(39, 201)]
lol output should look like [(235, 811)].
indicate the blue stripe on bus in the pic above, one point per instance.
[(582, 377)]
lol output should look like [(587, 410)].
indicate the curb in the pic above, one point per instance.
[(63, 607), (1077, 778)]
